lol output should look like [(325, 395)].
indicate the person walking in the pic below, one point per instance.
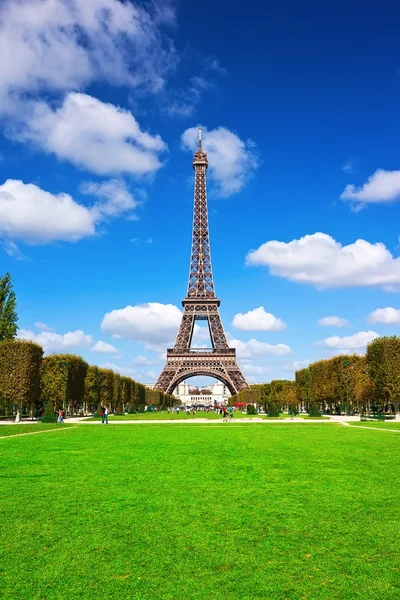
[(106, 415), (61, 416)]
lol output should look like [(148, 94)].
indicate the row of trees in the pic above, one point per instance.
[(342, 384), (274, 397), (28, 381), (348, 383)]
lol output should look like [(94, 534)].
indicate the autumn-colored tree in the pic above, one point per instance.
[(383, 364), (92, 389), (63, 377), (20, 364), (106, 387), (126, 392)]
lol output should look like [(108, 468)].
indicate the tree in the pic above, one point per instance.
[(20, 364), (273, 409), (314, 410), (49, 416), (383, 363), (8, 315), (64, 373), (106, 386), (92, 388)]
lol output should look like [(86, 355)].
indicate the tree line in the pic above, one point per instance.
[(347, 383), (28, 381)]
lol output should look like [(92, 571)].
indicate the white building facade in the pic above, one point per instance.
[(190, 395)]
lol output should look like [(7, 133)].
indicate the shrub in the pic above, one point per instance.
[(273, 410), (49, 416), (314, 410), (251, 409)]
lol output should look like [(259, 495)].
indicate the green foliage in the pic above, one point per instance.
[(126, 392), (20, 363), (273, 409), (335, 382), (314, 410), (117, 394), (58, 371), (383, 363), (251, 409), (92, 388), (49, 416), (8, 315), (106, 381), (248, 396)]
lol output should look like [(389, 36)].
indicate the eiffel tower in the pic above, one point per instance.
[(201, 304)]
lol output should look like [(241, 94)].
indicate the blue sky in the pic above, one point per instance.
[(99, 103)]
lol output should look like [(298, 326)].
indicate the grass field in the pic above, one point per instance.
[(378, 424), (201, 512), (182, 416), (9, 430), (165, 416)]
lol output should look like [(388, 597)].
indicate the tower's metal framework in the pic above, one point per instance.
[(201, 304)]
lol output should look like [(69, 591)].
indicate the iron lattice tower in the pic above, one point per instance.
[(201, 303)]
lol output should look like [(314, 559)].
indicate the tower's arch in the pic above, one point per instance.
[(201, 373)]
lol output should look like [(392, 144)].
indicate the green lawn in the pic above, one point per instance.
[(164, 416), (201, 512), (7, 430), (378, 424)]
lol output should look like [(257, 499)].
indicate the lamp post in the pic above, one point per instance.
[(66, 365), (347, 364)]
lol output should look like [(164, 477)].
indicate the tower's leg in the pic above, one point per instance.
[(217, 332), (165, 378), (185, 333)]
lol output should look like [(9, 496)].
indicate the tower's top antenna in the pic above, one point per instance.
[(200, 138)]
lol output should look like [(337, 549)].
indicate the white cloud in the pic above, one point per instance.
[(56, 342), (254, 348), (35, 216), (149, 376), (382, 186), (152, 323), (185, 100), (296, 365), (114, 196), (43, 326), (322, 261), (350, 342), (250, 369), (144, 361), (126, 371), (232, 161), (257, 320), (333, 321), (388, 316), (93, 135), (13, 250), (103, 347), (201, 335), (68, 44)]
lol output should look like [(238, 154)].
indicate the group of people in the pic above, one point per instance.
[(227, 413)]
